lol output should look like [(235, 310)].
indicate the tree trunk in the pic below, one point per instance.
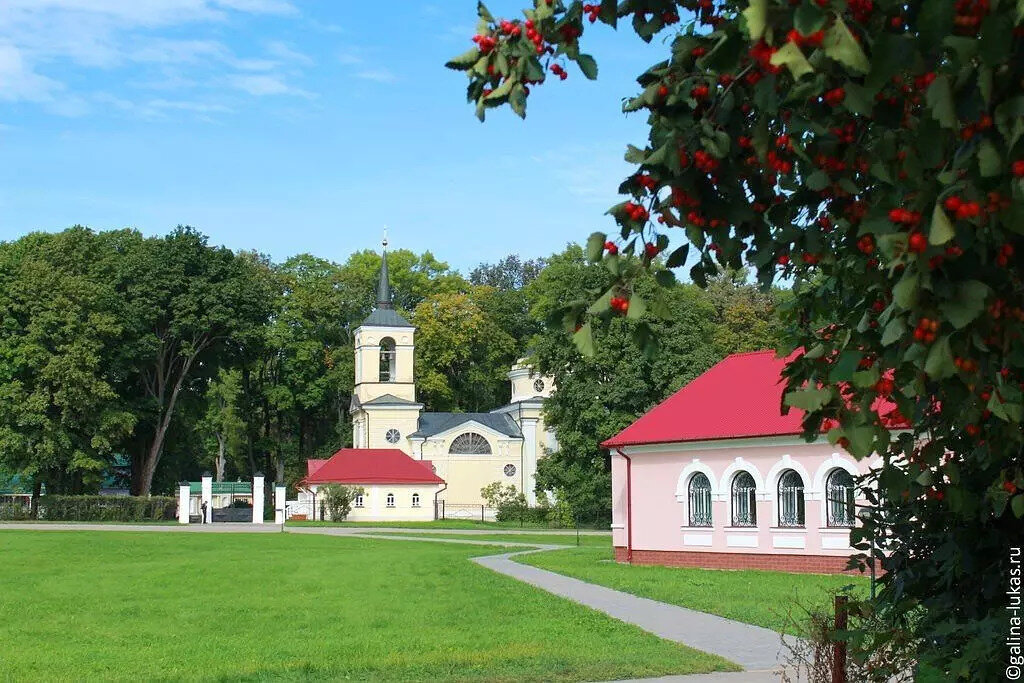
[(156, 448), (37, 489), (221, 448)]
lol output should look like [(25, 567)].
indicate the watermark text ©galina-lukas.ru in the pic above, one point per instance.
[(1014, 641)]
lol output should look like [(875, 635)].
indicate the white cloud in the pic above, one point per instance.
[(380, 75), (18, 80), (265, 84), (285, 53)]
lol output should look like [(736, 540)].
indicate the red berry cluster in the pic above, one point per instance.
[(681, 198), (885, 386), (698, 52), (699, 92), (651, 250), (967, 365), (834, 97), (645, 181), (969, 14), (559, 71), (619, 304), (1003, 257), (961, 209), (925, 330), (800, 40), (611, 248), (1018, 168), (904, 216), (866, 244), (636, 212), (861, 10), (917, 242), (592, 12), (705, 162), (485, 43), (534, 36)]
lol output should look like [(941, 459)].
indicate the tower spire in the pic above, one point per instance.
[(384, 285)]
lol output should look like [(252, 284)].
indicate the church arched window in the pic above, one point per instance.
[(387, 359), (470, 443)]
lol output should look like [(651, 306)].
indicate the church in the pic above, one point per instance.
[(463, 451)]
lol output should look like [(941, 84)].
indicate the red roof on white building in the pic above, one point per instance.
[(739, 397), (371, 466)]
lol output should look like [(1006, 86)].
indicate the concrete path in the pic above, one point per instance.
[(752, 647)]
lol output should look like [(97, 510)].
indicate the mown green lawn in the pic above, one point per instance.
[(590, 541), (123, 605), (769, 599)]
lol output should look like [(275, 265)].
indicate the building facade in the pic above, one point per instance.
[(467, 450), (716, 477)]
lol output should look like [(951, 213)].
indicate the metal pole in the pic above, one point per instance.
[(839, 649)]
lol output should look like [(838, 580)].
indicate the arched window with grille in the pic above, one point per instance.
[(359, 500), (839, 496), (700, 500), (391, 500), (744, 500), (470, 443), (791, 499), (415, 500), (387, 360)]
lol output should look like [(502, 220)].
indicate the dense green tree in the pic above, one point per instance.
[(462, 354), (60, 416), (223, 425), (502, 294), (745, 314)]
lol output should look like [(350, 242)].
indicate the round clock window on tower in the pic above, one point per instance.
[(392, 436), (538, 385)]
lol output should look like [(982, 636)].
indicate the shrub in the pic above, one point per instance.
[(337, 500), (14, 511), (108, 508)]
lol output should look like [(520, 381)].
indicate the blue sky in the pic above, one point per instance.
[(288, 126)]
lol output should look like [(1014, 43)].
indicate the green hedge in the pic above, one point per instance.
[(107, 508)]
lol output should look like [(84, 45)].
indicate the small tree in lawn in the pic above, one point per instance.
[(338, 500), (871, 153)]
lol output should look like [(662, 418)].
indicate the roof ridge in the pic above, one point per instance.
[(752, 353)]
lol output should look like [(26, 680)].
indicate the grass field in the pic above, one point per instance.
[(755, 597), (588, 541), (113, 605)]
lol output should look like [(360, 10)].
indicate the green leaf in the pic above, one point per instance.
[(609, 14), (845, 366), (989, 162), (894, 331), (808, 18), (791, 56), (942, 229), (588, 66), (995, 40), (725, 55), (1017, 505), (940, 98), (595, 246), (862, 440), (967, 303), (935, 21), (905, 291), (637, 307), (817, 181), (809, 399), (517, 100), (665, 278), (584, 340), (465, 61), (939, 363), (678, 257), (841, 46), (756, 16)]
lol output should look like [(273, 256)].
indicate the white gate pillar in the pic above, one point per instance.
[(184, 500), (207, 498), (279, 503), (257, 498), (529, 464)]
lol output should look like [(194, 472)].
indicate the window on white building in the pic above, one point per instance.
[(391, 500), (359, 500), (415, 500), (744, 500), (791, 499), (470, 443), (700, 500), (839, 494)]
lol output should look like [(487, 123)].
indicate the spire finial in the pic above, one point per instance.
[(384, 285)]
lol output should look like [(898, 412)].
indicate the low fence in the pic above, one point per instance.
[(93, 508), (474, 511)]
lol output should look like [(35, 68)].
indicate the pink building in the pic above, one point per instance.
[(716, 477)]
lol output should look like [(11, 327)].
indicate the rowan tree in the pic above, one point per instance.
[(870, 153)]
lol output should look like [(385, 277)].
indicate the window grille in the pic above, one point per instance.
[(359, 500), (700, 500), (470, 443), (839, 490), (744, 500), (391, 500), (791, 499), (415, 500)]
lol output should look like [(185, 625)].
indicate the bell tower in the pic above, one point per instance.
[(384, 396)]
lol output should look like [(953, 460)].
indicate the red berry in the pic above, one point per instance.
[(1018, 168), (611, 248), (952, 203), (917, 242), (1010, 487)]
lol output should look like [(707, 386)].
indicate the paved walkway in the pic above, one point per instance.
[(754, 648)]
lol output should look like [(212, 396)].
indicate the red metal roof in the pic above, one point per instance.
[(372, 466), (739, 397), (313, 465)]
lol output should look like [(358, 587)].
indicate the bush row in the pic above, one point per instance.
[(97, 509)]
